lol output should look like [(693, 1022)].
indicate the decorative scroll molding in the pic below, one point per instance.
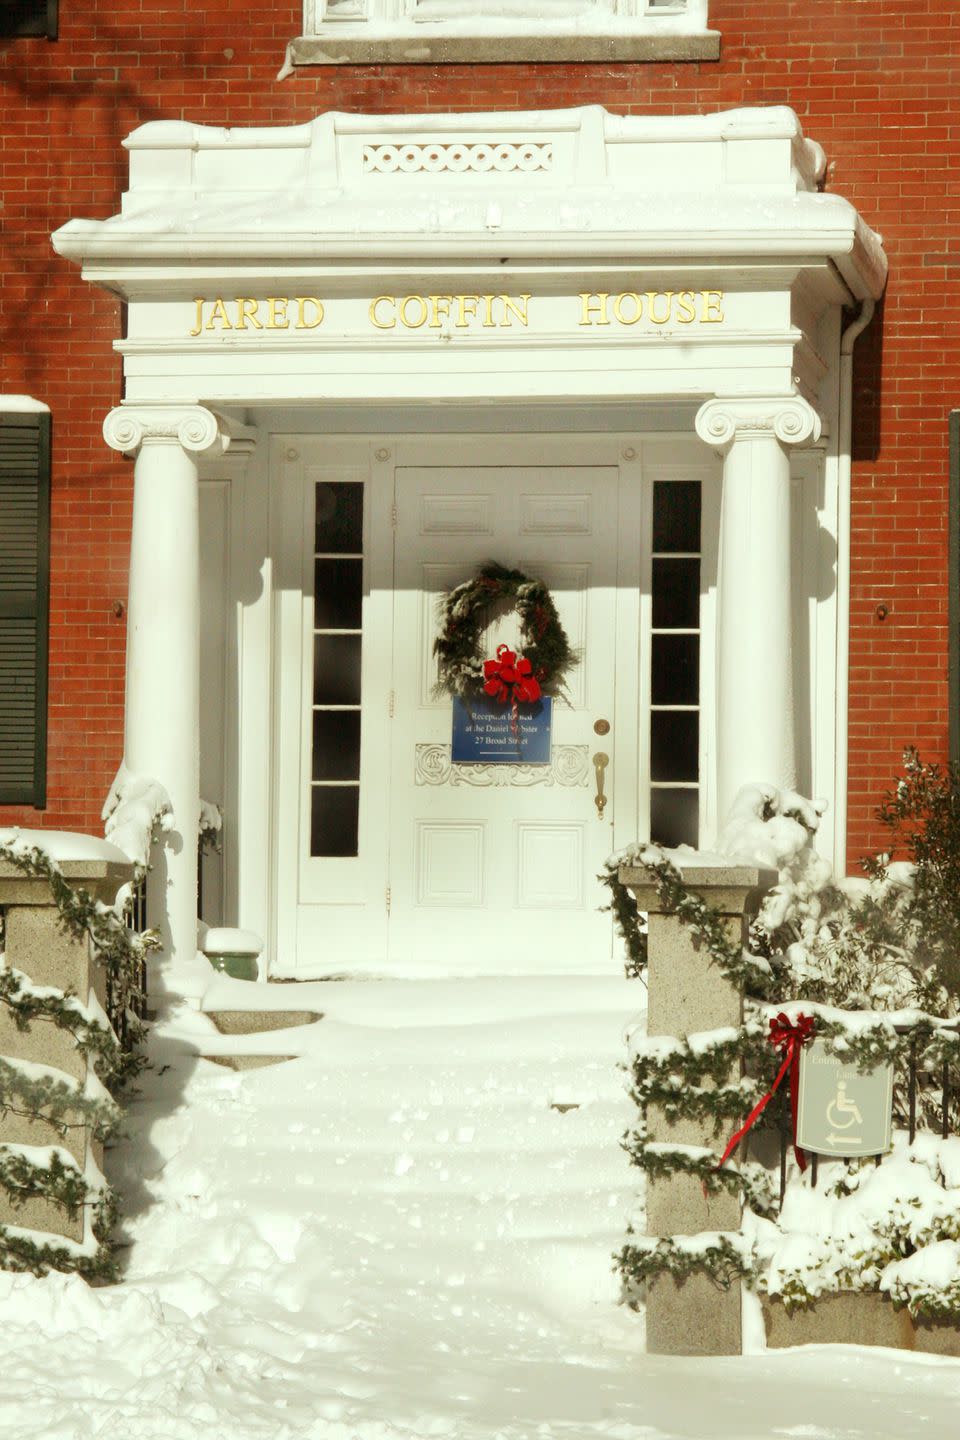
[(789, 419), (570, 766), (192, 426), (414, 158)]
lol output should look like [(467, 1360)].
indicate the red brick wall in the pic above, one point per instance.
[(875, 81)]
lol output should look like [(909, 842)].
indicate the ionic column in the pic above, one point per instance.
[(755, 708), (161, 727)]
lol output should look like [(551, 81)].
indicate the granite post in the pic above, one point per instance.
[(688, 994), (36, 944)]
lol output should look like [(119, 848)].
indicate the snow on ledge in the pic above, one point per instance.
[(23, 405), (62, 845)]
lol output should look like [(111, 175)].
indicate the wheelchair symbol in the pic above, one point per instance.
[(841, 1106)]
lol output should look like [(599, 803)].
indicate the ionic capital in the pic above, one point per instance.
[(789, 419), (127, 427)]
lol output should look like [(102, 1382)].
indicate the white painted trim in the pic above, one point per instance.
[(216, 632), (249, 890)]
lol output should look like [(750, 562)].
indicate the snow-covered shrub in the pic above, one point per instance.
[(922, 814), (892, 1228)]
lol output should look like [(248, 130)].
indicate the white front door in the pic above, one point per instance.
[(388, 858), (493, 867)]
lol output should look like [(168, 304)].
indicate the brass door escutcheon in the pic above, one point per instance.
[(601, 727), (600, 762)]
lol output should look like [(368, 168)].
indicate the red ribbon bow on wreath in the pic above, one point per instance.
[(510, 681), (790, 1037)]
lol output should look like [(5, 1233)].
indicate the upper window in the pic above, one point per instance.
[(404, 32), (28, 17)]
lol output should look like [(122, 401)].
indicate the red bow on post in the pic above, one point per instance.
[(790, 1037), (508, 679)]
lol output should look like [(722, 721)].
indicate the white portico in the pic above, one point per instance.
[(367, 354)]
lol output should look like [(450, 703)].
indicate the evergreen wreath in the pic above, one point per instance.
[(464, 614)]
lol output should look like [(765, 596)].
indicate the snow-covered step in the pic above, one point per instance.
[(442, 1003), (255, 1022), (539, 1138), (410, 1170), (592, 1210)]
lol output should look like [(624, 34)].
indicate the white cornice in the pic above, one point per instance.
[(556, 186)]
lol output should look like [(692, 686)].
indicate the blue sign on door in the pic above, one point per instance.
[(483, 733)]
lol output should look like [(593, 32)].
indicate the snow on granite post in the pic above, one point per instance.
[(687, 995), (37, 945)]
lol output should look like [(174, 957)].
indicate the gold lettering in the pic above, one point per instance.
[(595, 302), (686, 309), (637, 307), (652, 297), (439, 310), (405, 319), (514, 307), (383, 324), (302, 302), (463, 312), (488, 321), (711, 314), (218, 312), (247, 310), (199, 325), (277, 312)]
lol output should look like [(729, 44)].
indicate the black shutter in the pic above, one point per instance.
[(24, 605), (28, 17)]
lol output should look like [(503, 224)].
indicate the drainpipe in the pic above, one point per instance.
[(845, 427)]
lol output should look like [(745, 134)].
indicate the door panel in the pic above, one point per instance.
[(493, 867)]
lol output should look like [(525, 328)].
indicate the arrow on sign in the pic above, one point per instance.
[(845, 1139)]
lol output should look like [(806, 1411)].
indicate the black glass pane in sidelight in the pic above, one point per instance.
[(676, 516), (339, 529), (676, 594), (676, 670), (334, 816), (674, 817), (338, 594), (336, 669), (336, 744), (674, 745)]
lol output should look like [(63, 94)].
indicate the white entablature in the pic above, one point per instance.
[(611, 233)]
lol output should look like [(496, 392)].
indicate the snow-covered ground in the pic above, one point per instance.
[(397, 1235)]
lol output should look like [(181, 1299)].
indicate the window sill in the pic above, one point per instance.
[(420, 48)]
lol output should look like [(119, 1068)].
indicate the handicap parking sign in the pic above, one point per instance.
[(842, 1110)]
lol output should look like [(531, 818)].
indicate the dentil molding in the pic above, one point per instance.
[(789, 419)]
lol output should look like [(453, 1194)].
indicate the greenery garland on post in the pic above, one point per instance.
[(683, 1080), (62, 1103), (464, 615)]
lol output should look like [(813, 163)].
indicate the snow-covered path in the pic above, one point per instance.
[(398, 1235)]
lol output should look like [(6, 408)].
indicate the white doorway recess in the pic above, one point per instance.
[(472, 869)]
